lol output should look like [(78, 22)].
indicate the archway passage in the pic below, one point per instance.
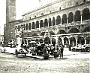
[(59, 41), (77, 16), (66, 41), (52, 33), (37, 24), (88, 40), (42, 34), (87, 29), (86, 14), (72, 41), (61, 32), (34, 34), (41, 23), (47, 40), (64, 18), (58, 20), (73, 30), (41, 40), (53, 21), (81, 40), (33, 25), (45, 23), (70, 17), (53, 41)]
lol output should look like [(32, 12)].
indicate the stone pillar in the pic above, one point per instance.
[(81, 18), (62, 40), (85, 41), (67, 20), (56, 39), (76, 40)]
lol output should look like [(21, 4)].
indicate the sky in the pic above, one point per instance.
[(22, 6)]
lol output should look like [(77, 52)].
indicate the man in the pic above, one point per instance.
[(61, 55)]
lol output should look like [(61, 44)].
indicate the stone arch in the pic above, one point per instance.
[(88, 40), (81, 40), (41, 23), (37, 24), (72, 41), (42, 34), (64, 18), (59, 40), (52, 33), (66, 41), (86, 14), (47, 40), (33, 25), (29, 26), (49, 21), (53, 41), (58, 20), (87, 29), (77, 16), (70, 17), (73, 30), (61, 32), (41, 40), (34, 34), (53, 21), (45, 23)]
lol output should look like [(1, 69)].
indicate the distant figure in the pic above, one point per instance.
[(61, 51)]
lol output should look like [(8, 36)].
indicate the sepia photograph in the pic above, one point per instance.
[(44, 36)]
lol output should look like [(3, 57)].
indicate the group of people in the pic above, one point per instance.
[(56, 50)]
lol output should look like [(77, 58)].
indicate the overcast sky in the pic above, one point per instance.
[(22, 6)]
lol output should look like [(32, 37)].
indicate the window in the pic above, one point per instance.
[(33, 25), (84, 0), (30, 18), (76, 3), (29, 26), (26, 26), (42, 13), (60, 8)]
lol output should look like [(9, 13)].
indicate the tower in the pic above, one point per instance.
[(10, 10), (10, 17)]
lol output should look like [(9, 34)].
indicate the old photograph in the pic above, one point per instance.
[(44, 36)]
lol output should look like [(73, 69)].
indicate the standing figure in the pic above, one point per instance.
[(61, 51)]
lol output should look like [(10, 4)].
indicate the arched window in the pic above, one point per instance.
[(53, 21), (64, 18), (41, 23), (18, 27), (37, 24), (45, 23), (33, 25), (86, 14), (58, 20), (70, 17), (49, 21), (77, 16), (29, 26), (26, 26)]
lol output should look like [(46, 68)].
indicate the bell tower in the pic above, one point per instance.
[(10, 10), (10, 17)]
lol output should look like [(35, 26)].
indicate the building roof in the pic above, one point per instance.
[(47, 5)]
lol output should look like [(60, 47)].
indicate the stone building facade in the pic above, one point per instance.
[(66, 22), (9, 27)]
